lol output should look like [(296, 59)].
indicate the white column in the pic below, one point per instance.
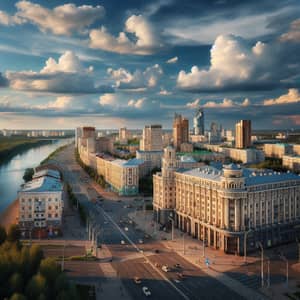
[(237, 212)]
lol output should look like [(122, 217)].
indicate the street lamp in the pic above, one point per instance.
[(259, 244), (172, 221), (245, 244), (284, 258)]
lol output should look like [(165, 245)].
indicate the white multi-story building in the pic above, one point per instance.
[(41, 203), (291, 162), (220, 205), (152, 138)]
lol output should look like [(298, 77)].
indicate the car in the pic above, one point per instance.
[(123, 242), (141, 241), (156, 251), (157, 265), (105, 222), (147, 236), (126, 228), (180, 275), (165, 268), (137, 280), (119, 200), (146, 291), (177, 266)]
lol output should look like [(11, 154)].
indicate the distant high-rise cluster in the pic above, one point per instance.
[(180, 131), (199, 122), (243, 134)]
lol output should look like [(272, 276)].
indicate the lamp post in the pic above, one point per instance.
[(284, 258), (259, 244), (245, 244)]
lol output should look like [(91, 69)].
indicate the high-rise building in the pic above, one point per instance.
[(124, 135), (243, 134), (180, 131), (152, 138), (199, 122)]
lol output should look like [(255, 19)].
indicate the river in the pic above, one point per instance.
[(12, 171)]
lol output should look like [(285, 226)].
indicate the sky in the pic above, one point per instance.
[(130, 63)]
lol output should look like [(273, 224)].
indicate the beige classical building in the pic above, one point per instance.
[(152, 138), (243, 134), (277, 150), (220, 205), (41, 203)]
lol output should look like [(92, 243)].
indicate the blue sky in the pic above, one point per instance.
[(130, 63)]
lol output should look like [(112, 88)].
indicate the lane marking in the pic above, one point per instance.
[(146, 258)]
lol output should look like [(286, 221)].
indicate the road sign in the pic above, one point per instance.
[(207, 262)]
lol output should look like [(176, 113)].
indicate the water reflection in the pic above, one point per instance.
[(12, 171)]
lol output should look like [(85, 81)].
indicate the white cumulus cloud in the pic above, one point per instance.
[(146, 40), (124, 79), (66, 75), (234, 64), (136, 103), (293, 96), (61, 20)]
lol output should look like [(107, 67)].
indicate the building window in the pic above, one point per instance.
[(49, 216)]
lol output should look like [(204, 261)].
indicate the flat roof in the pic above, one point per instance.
[(252, 176), (43, 184)]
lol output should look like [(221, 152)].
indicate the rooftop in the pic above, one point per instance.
[(43, 184), (47, 172), (252, 176)]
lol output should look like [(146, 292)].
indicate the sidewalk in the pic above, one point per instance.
[(219, 262)]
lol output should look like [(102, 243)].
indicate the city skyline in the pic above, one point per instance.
[(109, 64)]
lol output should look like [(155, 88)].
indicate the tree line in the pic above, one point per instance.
[(26, 275)]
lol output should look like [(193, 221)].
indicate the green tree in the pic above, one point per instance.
[(35, 257), (3, 235), (16, 282), (17, 296), (49, 269), (28, 174), (61, 283), (13, 233), (36, 286)]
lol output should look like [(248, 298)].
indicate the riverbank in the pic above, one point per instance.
[(11, 146), (10, 215)]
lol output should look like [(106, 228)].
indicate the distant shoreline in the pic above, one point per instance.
[(10, 215)]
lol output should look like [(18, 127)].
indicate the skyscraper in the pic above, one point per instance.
[(152, 138), (180, 131), (199, 122), (243, 134)]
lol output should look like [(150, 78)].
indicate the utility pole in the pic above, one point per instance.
[(262, 263), (245, 245)]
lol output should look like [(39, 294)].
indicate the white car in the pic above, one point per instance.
[(141, 241), (123, 242), (126, 228), (146, 291), (165, 268)]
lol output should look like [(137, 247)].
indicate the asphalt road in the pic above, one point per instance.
[(111, 218)]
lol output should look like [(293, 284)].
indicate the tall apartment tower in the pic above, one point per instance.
[(152, 138), (199, 122), (124, 135), (243, 134), (180, 131)]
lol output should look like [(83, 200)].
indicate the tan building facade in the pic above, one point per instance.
[(152, 138), (243, 134), (277, 150), (180, 131), (219, 206)]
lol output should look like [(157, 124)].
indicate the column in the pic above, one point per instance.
[(237, 213), (226, 210)]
